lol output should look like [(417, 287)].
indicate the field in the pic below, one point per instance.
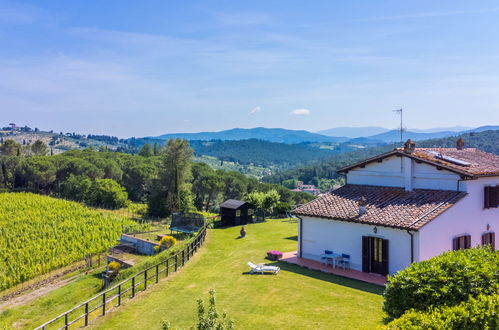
[(39, 234), (297, 298)]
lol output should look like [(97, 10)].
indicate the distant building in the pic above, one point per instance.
[(308, 188)]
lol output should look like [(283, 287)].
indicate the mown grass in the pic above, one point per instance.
[(297, 298)]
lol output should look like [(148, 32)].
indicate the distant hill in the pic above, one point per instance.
[(441, 129), (259, 152), (280, 135), (394, 136), (353, 132)]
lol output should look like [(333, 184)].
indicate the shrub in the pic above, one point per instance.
[(208, 318), (168, 241), (114, 266), (447, 279), (476, 313)]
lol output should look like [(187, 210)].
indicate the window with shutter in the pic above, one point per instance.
[(489, 239), (491, 197), (461, 242)]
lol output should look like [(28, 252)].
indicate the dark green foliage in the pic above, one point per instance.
[(260, 153), (77, 187), (474, 314), (448, 279), (10, 148), (486, 141), (107, 193), (325, 168), (146, 151), (39, 148)]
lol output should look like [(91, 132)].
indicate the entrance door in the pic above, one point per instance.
[(375, 255)]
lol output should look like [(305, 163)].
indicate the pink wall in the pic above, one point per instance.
[(466, 217)]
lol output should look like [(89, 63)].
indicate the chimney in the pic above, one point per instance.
[(362, 205), (460, 144), (409, 146)]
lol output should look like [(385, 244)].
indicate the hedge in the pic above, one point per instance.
[(448, 279), (475, 313)]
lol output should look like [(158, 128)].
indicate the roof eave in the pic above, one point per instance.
[(353, 220)]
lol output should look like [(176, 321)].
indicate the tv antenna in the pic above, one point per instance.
[(401, 113)]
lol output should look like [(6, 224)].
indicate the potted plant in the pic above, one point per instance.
[(274, 255)]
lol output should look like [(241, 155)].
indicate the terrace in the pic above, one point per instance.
[(292, 258)]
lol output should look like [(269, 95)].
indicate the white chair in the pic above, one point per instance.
[(261, 268)]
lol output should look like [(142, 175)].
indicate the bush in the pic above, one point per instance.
[(479, 313), (168, 241), (108, 193), (114, 266), (447, 279)]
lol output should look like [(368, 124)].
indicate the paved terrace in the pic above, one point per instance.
[(292, 258)]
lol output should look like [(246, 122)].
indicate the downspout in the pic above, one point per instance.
[(300, 236), (412, 245)]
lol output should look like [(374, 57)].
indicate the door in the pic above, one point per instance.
[(375, 255)]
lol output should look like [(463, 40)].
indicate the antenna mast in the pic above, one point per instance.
[(401, 112)]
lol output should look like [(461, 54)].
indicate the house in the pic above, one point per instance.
[(405, 206), (234, 212)]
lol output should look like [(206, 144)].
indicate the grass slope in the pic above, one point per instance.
[(297, 298)]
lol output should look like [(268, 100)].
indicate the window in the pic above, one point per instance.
[(491, 197), (238, 213), (489, 239), (250, 211), (461, 242)]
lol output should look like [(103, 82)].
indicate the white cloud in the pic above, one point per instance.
[(256, 109), (300, 112)]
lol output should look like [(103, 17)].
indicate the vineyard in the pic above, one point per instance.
[(39, 234)]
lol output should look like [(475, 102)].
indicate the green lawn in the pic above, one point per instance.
[(297, 298)]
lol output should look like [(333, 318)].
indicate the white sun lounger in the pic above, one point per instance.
[(261, 268)]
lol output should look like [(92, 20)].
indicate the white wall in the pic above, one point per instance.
[(346, 237), (466, 217), (397, 171)]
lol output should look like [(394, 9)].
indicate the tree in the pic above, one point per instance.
[(39, 148), (270, 200), (38, 172), (174, 176), (146, 151), (77, 188), (108, 193), (10, 148)]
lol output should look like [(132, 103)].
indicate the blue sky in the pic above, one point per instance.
[(136, 68)]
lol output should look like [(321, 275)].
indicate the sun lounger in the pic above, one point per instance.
[(261, 268)]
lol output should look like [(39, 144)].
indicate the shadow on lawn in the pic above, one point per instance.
[(331, 278), (293, 238)]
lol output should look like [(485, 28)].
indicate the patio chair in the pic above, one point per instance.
[(261, 268), (328, 255), (344, 262)]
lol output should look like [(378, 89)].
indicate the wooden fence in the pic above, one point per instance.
[(111, 298)]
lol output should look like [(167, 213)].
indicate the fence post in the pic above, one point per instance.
[(86, 314), (183, 258), (176, 262), (133, 286), (157, 273), (119, 295), (66, 321), (104, 304), (145, 279)]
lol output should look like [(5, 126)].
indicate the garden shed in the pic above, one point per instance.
[(234, 212)]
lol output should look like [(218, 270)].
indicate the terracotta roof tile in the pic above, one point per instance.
[(386, 206), (480, 163)]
